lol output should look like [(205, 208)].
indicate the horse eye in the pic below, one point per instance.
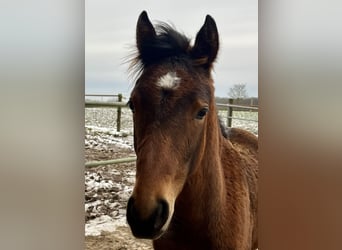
[(202, 113), (130, 105)]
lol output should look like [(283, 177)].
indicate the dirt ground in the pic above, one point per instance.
[(109, 198), (120, 239)]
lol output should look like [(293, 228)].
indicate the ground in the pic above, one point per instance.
[(107, 189)]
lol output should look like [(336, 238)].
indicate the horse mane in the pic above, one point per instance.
[(224, 129), (168, 43)]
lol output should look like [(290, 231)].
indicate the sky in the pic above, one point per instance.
[(110, 37)]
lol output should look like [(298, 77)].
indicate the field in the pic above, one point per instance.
[(108, 187)]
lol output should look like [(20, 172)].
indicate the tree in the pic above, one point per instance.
[(238, 91)]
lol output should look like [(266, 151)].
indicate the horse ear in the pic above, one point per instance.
[(145, 31), (206, 45)]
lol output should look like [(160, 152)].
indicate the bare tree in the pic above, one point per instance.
[(238, 91)]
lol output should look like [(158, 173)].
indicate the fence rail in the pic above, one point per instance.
[(236, 106), (91, 164), (98, 104), (100, 95)]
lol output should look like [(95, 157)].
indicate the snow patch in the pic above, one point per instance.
[(103, 138), (103, 223)]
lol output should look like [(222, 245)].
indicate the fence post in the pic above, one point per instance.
[(230, 113), (118, 117)]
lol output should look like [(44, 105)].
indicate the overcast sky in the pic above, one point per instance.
[(110, 34)]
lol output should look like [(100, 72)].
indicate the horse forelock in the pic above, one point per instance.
[(169, 45)]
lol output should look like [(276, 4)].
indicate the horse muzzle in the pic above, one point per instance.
[(147, 225)]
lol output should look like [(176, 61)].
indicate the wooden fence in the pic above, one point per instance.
[(230, 107), (91, 164), (100, 104), (120, 104)]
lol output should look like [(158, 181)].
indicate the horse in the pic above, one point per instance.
[(196, 181)]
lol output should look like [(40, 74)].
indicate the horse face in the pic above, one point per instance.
[(170, 110)]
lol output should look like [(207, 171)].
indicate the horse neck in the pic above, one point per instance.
[(204, 192)]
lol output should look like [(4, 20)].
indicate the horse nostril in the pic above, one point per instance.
[(161, 214)]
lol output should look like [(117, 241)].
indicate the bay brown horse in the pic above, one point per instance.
[(196, 181)]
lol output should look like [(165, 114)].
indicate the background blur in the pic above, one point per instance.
[(42, 123)]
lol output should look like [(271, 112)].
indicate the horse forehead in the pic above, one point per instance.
[(169, 81), (156, 82), (171, 85)]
